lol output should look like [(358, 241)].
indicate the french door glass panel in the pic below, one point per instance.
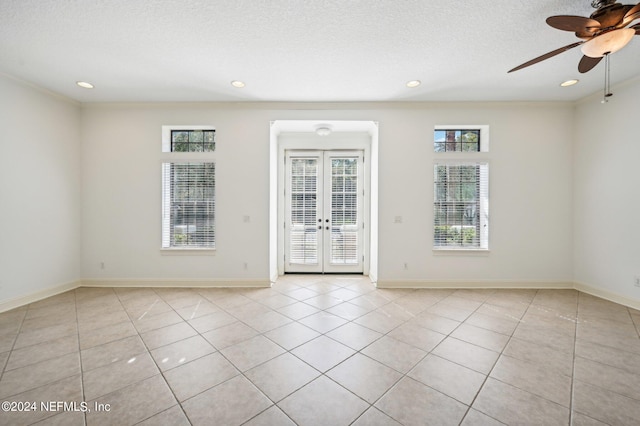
[(324, 204)]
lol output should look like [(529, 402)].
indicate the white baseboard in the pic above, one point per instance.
[(607, 295), (194, 283), (475, 284), (7, 305)]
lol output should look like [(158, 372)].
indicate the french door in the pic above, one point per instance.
[(324, 211)]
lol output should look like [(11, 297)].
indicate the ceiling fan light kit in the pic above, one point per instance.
[(603, 33)]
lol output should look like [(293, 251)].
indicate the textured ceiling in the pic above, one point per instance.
[(298, 50)]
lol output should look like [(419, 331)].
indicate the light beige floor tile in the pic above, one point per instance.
[(551, 320), (323, 402), (229, 335), (197, 376), (579, 419), (267, 321), (344, 294), (511, 405), (249, 310), (40, 335), (323, 322), (181, 352), (62, 298), (353, 335), (500, 325), (348, 311), (510, 312), (211, 321), (614, 357), (166, 335), (112, 377), (43, 351), (479, 295), (607, 377), (412, 403), (365, 377), (323, 353), (173, 416), (545, 336), (258, 294), (448, 311), (378, 321), (278, 301), (481, 337), (435, 322), (230, 403), (250, 353), (68, 389), (106, 354), (132, 404), (534, 378), (202, 308), (476, 418), (92, 322), (604, 405), (369, 301), (231, 301), (140, 309), (300, 293), (272, 416), (297, 310), (291, 335), (110, 333), (51, 311), (609, 337), (540, 355), (60, 318), (4, 357), (417, 336), (35, 375), (451, 379), (153, 322), (68, 418), (466, 354), (461, 303), (281, 376), (375, 417), (394, 353)]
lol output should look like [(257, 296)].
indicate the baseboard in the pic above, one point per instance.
[(479, 284), (607, 295), (7, 305), (182, 283)]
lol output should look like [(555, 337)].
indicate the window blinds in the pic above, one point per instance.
[(461, 206), (188, 211)]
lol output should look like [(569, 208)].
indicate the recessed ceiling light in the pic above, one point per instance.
[(569, 83), (84, 84), (238, 84), (413, 83)]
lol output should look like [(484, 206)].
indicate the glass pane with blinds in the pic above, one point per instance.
[(456, 140), (188, 192), (344, 211), (303, 233), (460, 206)]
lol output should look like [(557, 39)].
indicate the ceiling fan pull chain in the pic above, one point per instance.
[(607, 79)]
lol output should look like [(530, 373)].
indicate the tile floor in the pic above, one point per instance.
[(321, 350)]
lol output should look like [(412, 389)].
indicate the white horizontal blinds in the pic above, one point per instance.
[(344, 211), (193, 140), (188, 205), (303, 223), (461, 203)]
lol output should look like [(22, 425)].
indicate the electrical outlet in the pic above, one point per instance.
[(636, 281), (406, 266)]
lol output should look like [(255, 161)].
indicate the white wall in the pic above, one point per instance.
[(607, 192), (39, 191), (531, 190)]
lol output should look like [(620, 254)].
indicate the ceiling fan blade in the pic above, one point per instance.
[(576, 24), (547, 56), (630, 16), (587, 63)]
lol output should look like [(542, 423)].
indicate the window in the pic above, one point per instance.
[(465, 140), (193, 140), (188, 211), (461, 206)]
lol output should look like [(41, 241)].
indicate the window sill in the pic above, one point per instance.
[(187, 251), (460, 252)]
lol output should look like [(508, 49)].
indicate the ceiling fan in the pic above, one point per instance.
[(603, 33)]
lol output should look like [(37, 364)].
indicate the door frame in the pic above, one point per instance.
[(323, 209), (301, 135)]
